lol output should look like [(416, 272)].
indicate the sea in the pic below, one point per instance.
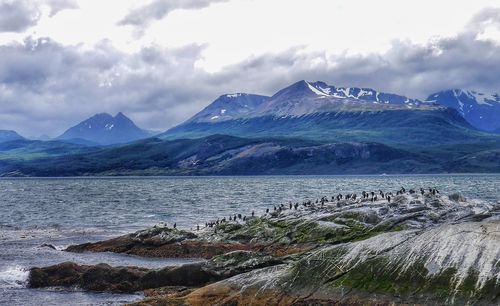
[(37, 212)]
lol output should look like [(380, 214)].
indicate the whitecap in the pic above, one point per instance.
[(13, 277)]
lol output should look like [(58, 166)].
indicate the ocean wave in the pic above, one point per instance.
[(14, 277)]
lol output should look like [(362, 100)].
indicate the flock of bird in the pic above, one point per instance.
[(339, 199)]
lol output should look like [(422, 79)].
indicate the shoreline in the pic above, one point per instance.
[(270, 253), (251, 176)]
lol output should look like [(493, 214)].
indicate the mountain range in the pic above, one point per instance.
[(319, 112), (305, 128)]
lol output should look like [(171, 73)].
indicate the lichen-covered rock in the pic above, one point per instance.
[(414, 248), (451, 264), (237, 262), (162, 235)]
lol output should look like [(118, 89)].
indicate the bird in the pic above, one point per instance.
[(175, 225)]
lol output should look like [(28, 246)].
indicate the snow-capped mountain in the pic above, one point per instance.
[(320, 112), (479, 109), (302, 98), (305, 97), (7, 135), (228, 107), (105, 129), (322, 89)]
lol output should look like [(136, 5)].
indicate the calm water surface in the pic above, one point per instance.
[(75, 210)]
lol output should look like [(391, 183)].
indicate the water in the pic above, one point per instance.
[(61, 212)]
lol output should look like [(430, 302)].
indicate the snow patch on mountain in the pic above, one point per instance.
[(479, 109)]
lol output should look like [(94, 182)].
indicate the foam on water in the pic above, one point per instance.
[(14, 277)]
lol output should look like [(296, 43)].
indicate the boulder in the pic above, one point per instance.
[(457, 197)]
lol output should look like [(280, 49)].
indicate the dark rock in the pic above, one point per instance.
[(457, 197), (103, 277), (47, 245)]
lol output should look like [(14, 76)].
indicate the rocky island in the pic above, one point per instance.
[(414, 246)]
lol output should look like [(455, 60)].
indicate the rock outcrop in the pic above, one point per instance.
[(415, 248), (103, 277)]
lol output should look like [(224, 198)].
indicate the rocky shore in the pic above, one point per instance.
[(402, 248)]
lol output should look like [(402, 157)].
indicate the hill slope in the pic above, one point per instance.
[(228, 155)]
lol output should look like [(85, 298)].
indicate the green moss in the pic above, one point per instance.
[(288, 231), (379, 275)]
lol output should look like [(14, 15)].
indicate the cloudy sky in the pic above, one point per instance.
[(161, 61)]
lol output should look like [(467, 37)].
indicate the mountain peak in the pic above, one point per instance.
[(105, 129), (229, 106), (299, 89), (120, 115), (8, 135)]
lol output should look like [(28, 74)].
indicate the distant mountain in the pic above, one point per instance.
[(230, 106), (320, 112), (7, 135), (104, 129), (480, 110), (305, 97)]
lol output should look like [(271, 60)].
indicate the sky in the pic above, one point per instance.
[(162, 61)]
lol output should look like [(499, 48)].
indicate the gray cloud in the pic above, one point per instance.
[(158, 9), (19, 15), (59, 5), (46, 87)]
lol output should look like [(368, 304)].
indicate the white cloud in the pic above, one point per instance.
[(187, 57)]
